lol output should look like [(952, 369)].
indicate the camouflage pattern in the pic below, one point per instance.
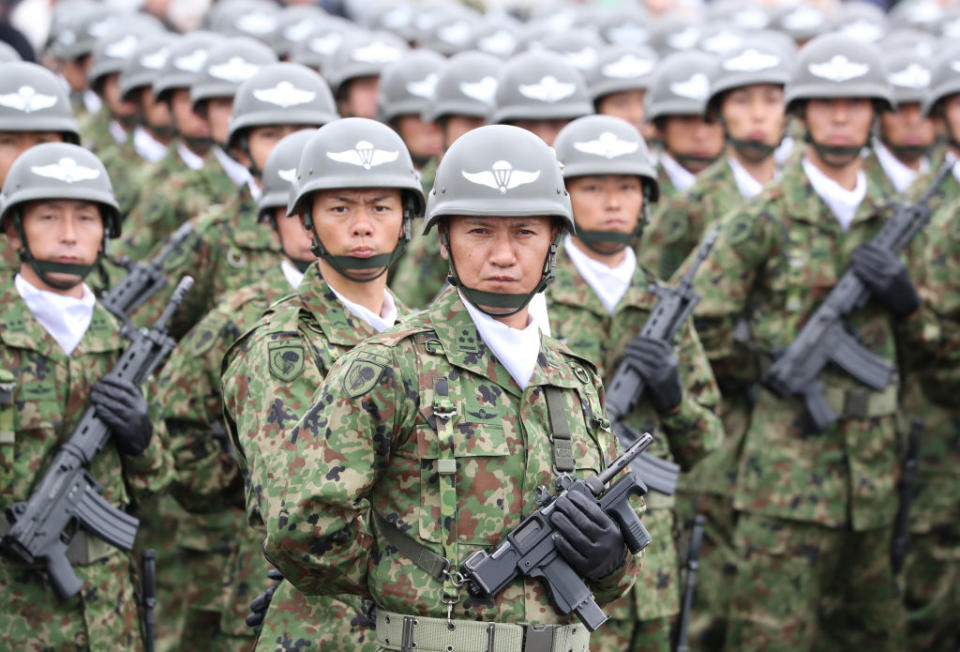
[(228, 249), (95, 131), (126, 170), (368, 442), (50, 392), (681, 221), (878, 178), (421, 273), (579, 320), (668, 191), (774, 262), (268, 380)]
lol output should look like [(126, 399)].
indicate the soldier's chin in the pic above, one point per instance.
[(608, 248), (365, 274), (62, 281)]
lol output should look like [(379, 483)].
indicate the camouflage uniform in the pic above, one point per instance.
[(95, 132), (816, 507), (208, 582), (49, 393), (422, 272), (317, 532), (877, 177), (264, 395), (579, 320)]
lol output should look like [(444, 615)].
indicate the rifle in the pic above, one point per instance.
[(149, 599), (693, 565), (67, 493), (825, 338), (529, 550), (143, 280), (901, 528), (627, 387)]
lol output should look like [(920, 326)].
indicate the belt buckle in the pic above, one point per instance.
[(538, 638), (856, 403)]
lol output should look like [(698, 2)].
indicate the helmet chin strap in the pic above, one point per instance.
[(198, 144), (513, 303), (590, 238), (906, 152), (252, 167), (300, 263), (754, 151), (841, 155), (686, 159), (43, 268)]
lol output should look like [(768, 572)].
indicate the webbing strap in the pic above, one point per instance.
[(423, 558), (561, 436), (443, 412)]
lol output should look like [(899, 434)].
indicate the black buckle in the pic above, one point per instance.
[(538, 638), (856, 403)]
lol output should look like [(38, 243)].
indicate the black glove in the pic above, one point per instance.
[(122, 407), (260, 604), (656, 364), (586, 537), (886, 278)]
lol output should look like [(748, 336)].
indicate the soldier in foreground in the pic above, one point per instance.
[(359, 219), (598, 304), (56, 345), (432, 436)]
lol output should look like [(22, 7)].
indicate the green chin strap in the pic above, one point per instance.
[(845, 153), (514, 303), (588, 238), (907, 152), (198, 144), (44, 267), (752, 150), (167, 131), (128, 121), (253, 167), (300, 264), (686, 159)]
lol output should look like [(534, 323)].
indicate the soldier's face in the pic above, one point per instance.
[(423, 139), (75, 72), (504, 255), (188, 123), (839, 121), (262, 140), (294, 238), (15, 143), (218, 116), (610, 202), (547, 130), (755, 113), (156, 114), (111, 97), (907, 126), (360, 98), (63, 231), (626, 105), (455, 126), (951, 114), (358, 222), (693, 136)]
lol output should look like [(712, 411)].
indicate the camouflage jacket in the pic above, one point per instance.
[(773, 264), (422, 272), (46, 393), (227, 250), (95, 132), (372, 439), (877, 177), (681, 220), (580, 320)]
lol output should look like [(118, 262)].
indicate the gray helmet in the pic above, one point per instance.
[(921, 43), (499, 171), (111, 56), (407, 86), (681, 85), (363, 55), (79, 34), (356, 153), (801, 21), (537, 85), (466, 85), (601, 144), (7, 53), (452, 33), (144, 66), (579, 48), (229, 64), (394, 17), (33, 99), (280, 172), (188, 55), (674, 33), (721, 39), (497, 37), (744, 15), (625, 26), (832, 66), (759, 62), (281, 94), (926, 15), (294, 24), (909, 75), (944, 82), (318, 48), (861, 21), (621, 68), (255, 19)]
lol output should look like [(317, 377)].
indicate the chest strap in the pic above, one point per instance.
[(560, 434), (423, 558)]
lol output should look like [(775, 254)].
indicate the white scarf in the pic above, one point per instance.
[(293, 275), (149, 148), (379, 323), (118, 132), (516, 349), (899, 174), (746, 183), (680, 176), (842, 202), (609, 283), (189, 159), (65, 318)]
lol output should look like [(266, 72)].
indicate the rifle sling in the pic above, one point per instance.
[(423, 558), (560, 436)]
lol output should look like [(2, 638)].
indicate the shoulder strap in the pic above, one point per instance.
[(560, 427), (425, 559)]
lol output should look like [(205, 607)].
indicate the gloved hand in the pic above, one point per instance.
[(588, 539), (657, 365), (122, 407), (260, 604), (886, 278)]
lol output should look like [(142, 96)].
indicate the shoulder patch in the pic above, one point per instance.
[(364, 373), (675, 226), (286, 359), (739, 229)]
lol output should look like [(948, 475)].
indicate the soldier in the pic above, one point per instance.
[(815, 502), (618, 84), (206, 586), (355, 68), (746, 99), (541, 93), (358, 193), (229, 247), (676, 105), (56, 345), (464, 92), (598, 303), (437, 429)]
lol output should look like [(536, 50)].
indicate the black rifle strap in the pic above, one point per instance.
[(425, 559), (561, 436)]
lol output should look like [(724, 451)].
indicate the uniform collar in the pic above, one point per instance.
[(609, 284), (843, 203), (803, 204), (570, 288), (899, 174), (238, 174), (116, 130), (681, 177), (149, 148), (745, 182), (335, 321), (188, 157)]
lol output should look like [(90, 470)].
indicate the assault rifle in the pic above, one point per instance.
[(40, 528), (825, 338), (627, 387), (693, 566), (529, 549), (908, 479), (143, 280)]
